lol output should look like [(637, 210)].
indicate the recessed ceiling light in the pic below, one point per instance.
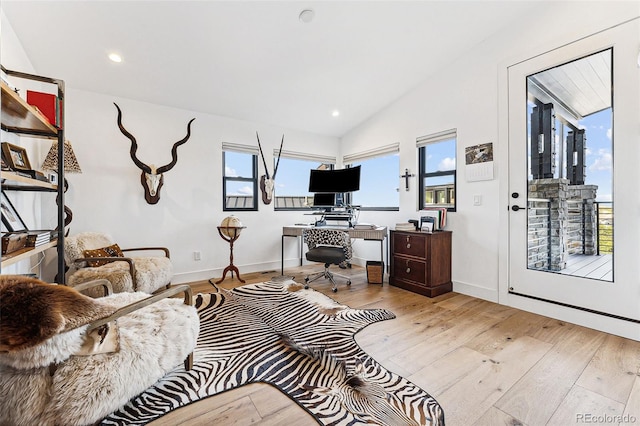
[(335, 113), (306, 15), (115, 57)]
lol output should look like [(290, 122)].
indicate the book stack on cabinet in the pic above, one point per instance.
[(421, 262)]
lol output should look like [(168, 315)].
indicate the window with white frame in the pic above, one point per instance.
[(291, 190), (379, 178), (437, 168), (240, 177)]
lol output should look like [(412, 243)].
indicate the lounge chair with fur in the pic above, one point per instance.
[(68, 359), (95, 255)]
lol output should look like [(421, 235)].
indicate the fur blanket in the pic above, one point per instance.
[(81, 390), (34, 311)]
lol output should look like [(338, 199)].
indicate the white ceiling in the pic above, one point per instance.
[(256, 61)]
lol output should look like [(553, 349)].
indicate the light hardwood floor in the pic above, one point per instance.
[(485, 363)]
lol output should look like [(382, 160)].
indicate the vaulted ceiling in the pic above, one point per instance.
[(256, 60)]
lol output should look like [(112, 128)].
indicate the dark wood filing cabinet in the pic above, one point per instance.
[(421, 262)]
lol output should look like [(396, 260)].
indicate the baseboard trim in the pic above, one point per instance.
[(271, 268), (618, 327), (476, 291)]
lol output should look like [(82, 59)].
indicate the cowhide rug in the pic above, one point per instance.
[(300, 341)]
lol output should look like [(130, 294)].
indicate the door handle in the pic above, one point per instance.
[(516, 208)]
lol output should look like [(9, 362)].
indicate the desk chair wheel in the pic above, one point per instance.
[(335, 290), (349, 282), (306, 283)]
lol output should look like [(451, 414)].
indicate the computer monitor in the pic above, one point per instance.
[(335, 181), (322, 200)]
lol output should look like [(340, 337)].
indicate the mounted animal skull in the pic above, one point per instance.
[(267, 182), (152, 176)]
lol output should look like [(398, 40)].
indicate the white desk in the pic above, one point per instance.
[(377, 234)]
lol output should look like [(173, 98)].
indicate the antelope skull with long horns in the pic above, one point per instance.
[(152, 176), (267, 182)]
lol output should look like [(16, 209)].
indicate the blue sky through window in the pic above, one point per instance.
[(379, 182), (441, 156), (238, 164), (599, 155), (293, 177)]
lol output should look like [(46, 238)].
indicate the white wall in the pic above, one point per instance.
[(453, 99), (108, 195)]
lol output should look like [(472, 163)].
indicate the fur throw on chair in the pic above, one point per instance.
[(43, 383), (152, 272)]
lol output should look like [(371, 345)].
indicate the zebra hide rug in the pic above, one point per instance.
[(300, 341)]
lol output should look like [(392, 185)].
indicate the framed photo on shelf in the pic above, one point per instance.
[(10, 217), (427, 227), (15, 156)]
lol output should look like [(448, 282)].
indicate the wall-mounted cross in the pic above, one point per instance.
[(406, 177)]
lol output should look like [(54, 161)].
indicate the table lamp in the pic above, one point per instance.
[(70, 166)]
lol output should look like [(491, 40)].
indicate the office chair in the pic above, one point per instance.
[(328, 246)]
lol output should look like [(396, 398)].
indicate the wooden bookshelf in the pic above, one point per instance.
[(12, 180), (25, 253), (20, 117)]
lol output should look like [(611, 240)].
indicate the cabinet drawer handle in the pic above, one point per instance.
[(408, 270), (408, 245)]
